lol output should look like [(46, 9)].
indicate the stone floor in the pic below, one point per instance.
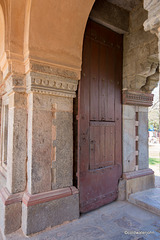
[(148, 199), (115, 221)]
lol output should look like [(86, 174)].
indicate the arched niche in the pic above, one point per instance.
[(54, 30)]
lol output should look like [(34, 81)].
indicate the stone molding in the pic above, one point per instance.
[(137, 174), (51, 84), (32, 65), (14, 82), (9, 198), (137, 98), (38, 77), (30, 200)]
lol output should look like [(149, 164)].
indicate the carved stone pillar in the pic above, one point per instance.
[(139, 81), (136, 174), (13, 151), (50, 193)]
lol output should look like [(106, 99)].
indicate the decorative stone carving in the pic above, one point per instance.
[(152, 24), (14, 82), (148, 78), (137, 98), (51, 84), (56, 70)]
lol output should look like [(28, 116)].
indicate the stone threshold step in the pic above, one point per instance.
[(148, 199)]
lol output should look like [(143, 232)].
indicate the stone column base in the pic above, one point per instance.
[(10, 211), (138, 181), (49, 209)]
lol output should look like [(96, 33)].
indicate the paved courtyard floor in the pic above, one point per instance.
[(119, 220)]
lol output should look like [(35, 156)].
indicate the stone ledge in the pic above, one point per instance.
[(8, 198), (137, 98), (137, 174), (148, 199), (30, 200)]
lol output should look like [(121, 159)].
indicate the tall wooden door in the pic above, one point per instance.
[(99, 128)]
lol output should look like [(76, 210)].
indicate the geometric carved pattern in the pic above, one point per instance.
[(52, 85), (137, 98)]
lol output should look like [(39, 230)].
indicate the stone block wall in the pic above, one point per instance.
[(135, 138), (140, 51)]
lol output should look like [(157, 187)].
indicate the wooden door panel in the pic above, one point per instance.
[(100, 117), (110, 75), (103, 84), (99, 190), (94, 81), (102, 146), (83, 128)]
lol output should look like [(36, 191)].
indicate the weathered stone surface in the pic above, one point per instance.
[(16, 155), (122, 190), (38, 217), (138, 16), (115, 221), (126, 4), (51, 84), (128, 138), (139, 184), (153, 21), (148, 200), (110, 16), (47, 102), (10, 217), (148, 4), (50, 145), (143, 139), (64, 150), (138, 47), (137, 98), (2, 181), (39, 147)]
